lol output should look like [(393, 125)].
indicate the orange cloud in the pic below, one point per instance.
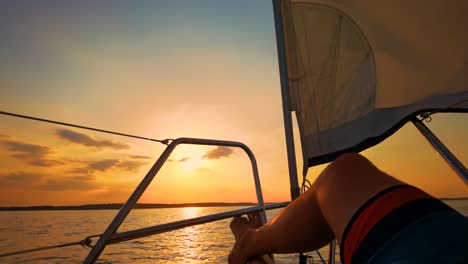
[(130, 165), (140, 157), (184, 159), (70, 183), (19, 179), (32, 154), (107, 164), (218, 152), (85, 140), (79, 171), (103, 165)]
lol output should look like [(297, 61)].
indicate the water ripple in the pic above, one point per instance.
[(209, 243)]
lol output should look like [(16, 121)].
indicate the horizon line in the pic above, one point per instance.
[(116, 206)]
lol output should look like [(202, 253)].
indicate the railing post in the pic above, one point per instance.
[(332, 252), (123, 212)]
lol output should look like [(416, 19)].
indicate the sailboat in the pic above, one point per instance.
[(353, 72)]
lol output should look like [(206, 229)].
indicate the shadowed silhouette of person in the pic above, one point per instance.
[(375, 218)]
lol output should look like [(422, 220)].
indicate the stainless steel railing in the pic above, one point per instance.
[(158, 229), (111, 236)]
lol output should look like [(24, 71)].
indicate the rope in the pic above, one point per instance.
[(84, 243), (306, 184), (163, 141)]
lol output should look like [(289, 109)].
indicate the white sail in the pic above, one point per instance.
[(358, 70)]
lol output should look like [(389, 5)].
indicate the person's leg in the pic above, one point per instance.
[(316, 217), (240, 225)]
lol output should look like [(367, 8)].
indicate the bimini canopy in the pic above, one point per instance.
[(358, 70)]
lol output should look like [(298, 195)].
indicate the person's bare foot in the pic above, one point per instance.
[(244, 229), (239, 225)]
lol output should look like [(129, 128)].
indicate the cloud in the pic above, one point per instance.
[(183, 159), (107, 164), (140, 157), (33, 180), (74, 183), (180, 160), (86, 177), (32, 154), (130, 165), (79, 171), (21, 147), (218, 152), (39, 181), (103, 165), (4, 136), (85, 140), (40, 162), (19, 179)]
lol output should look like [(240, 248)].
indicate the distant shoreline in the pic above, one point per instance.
[(116, 206)]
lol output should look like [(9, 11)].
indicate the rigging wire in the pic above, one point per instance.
[(85, 243), (162, 141), (306, 184)]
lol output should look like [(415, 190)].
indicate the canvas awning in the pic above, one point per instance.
[(358, 70)]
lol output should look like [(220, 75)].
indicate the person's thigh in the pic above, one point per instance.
[(345, 185)]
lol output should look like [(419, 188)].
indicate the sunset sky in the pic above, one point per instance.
[(162, 69)]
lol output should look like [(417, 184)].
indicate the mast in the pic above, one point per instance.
[(283, 70), (288, 127)]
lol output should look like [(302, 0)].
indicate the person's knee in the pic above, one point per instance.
[(348, 165), (350, 160), (352, 170)]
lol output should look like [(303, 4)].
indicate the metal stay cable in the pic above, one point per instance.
[(162, 141), (85, 243)]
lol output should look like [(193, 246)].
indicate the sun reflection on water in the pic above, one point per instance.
[(208, 243), (191, 212), (191, 237)]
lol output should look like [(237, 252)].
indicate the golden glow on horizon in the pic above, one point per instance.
[(86, 174), (210, 78)]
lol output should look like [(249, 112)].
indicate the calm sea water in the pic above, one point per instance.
[(209, 243)]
